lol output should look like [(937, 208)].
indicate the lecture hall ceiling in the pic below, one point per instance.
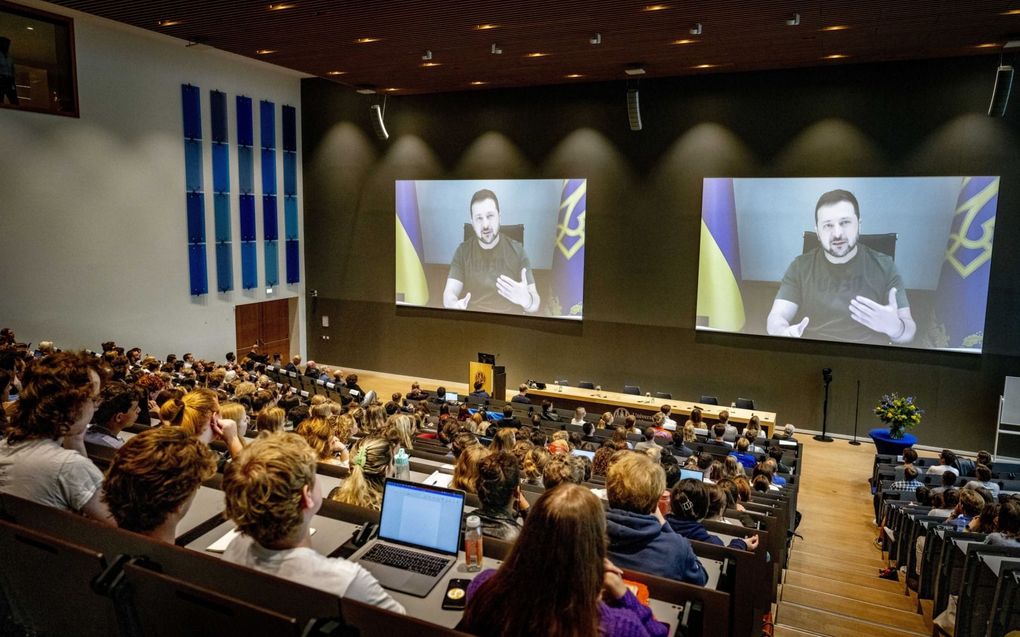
[(382, 43)]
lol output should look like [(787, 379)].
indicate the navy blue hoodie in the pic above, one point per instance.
[(695, 530), (640, 543)]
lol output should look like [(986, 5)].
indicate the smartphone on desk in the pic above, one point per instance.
[(456, 594)]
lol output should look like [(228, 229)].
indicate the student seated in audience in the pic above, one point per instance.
[(695, 419), (153, 479), (588, 441), (272, 495), (731, 432), (647, 440), (499, 491), (1007, 524), (579, 414), (478, 391), (401, 428), (417, 393), (371, 462), (462, 441), (732, 467), (639, 537), (909, 481), (548, 411), (948, 480), (984, 522), (463, 413), (508, 419), (689, 501), (659, 426), (772, 467), (667, 422), (553, 579), (57, 399), (197, 412), (503, 440), (742, 453), (971, 503), (327, 446), (118, 409), (605, 421), (534, 464), (465, 470), (776, 453), (718, 433), (522, 395), (984, 479), (947, 462), (786, 433), (562, 468), (236, 412), (682, 438), (271, 419)]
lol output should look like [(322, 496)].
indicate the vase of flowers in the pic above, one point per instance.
[(899, 413)]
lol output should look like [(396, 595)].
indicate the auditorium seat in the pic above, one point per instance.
[(586, 384), (709, 400), (745, 403), (664, 395), (632, 389)]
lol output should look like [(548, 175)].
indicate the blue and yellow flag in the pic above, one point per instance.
[(412, 286), (719, 296), (963, 283), (566, 294)]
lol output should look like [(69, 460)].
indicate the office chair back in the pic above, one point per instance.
[(745, 403), (664, 394), (709, 400), (586, 384), (632, 389)]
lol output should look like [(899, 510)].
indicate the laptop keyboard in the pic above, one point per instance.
[(406, 560)]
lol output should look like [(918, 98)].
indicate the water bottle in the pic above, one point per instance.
[(473, 544), (403, 468)]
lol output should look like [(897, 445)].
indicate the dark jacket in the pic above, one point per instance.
[(637, 541), (499, 524), (695, 530), (521, 398)]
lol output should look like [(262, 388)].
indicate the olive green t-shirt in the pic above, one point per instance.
[(823, 290), (478, 269)]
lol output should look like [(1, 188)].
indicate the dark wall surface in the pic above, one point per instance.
[(643, 224)]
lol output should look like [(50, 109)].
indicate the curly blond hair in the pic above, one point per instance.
[(263, 486), (153, 474), (317, 433), (634, 483), (370, 462), (465, 472), (191, 412)]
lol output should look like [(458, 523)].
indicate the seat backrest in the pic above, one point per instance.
[(166, 606), (586, 384), (47, 583), (709, 400), (664, 394), (745, 403), (632, 389), (884, 243)]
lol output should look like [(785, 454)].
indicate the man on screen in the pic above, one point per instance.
[(842, 290), (490, 273)]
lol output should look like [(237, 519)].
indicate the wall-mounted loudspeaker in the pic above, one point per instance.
[(377, 122), (1000, 92), (634, 109)]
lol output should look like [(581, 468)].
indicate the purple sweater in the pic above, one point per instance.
[(626, 617)]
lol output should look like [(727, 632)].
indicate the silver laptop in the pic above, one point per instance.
[(419, 537)]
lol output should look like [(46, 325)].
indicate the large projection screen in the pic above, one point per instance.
[(901, 261), (499, 246)]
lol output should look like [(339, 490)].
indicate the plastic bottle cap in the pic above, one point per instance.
[(474, 521)]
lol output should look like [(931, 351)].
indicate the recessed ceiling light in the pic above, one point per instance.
[(835, 27), (536, 54), (573, 76), (168, 23), (280, 6), (367, 40), (265, 51), (987, 45), (704, 66), (391, 89), (485, 27), (429, 65), (478, 83), (337, 73), (836, 56), (655, 7), (1011, 12), (30, 28), (686, 41)]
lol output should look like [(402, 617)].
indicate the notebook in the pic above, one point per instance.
[(419, 537)]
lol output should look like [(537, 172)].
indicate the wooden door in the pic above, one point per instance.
[(266, 323)]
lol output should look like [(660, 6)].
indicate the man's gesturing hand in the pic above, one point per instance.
[(881, 318), (463, 303), (797, 329), (515, 291)]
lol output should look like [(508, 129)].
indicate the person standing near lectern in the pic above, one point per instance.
[(490, 273), (842, 290)]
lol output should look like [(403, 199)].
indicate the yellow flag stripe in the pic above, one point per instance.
[(718, 292), (410, 272)]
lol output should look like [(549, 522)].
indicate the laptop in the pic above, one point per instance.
[(419, 537), (451, 397), (690, 474)]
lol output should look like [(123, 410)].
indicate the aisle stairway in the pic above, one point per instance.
[(832, 586)]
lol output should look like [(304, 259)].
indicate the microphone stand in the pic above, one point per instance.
[(825, 414), (857, 415)]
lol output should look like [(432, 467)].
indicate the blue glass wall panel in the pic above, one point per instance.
[(192, 108), (196, 217), (268, 124), (290, 218), (245, 169), (224, 268), (290, 174), (197, 269), (193, 165), (270, 223), (272, 263), (221, 210), (293, 262), (247, 217), (249, 267), (289, 129), (268, 171), (245, 123), (218, 110), (221, 167)]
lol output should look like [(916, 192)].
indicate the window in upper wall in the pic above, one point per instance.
[(37, 67)]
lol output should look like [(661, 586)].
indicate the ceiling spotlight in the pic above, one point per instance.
[(704, 66), (1011, 12), (427, 55), (337, 73), (836, 56), (430, 65), (366, 40), (684, 41), (987, 45), (478, 83), (536, 54), (365, 89), (835, 27), (485, 27), (793, 21), (595, 39), (495, 50), (634, 70), (265, 51), (696, 29), (168, 23), (655, 7), (573, 76), (280, 6)]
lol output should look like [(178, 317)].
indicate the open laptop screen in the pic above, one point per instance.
[(422, 516)]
